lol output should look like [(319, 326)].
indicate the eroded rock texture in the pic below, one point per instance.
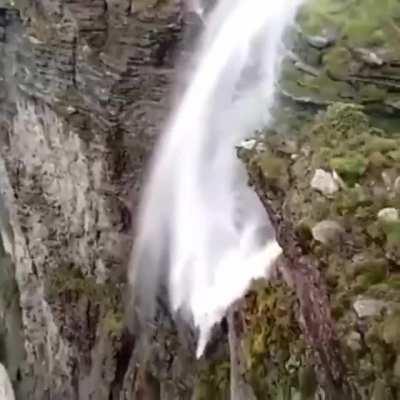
[(85, 88), (86, 85)]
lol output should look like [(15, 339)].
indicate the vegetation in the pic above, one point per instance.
[(348, 51), (360, 260), (359, 23), (69, 282)]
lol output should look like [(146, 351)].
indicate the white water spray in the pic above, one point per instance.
[(200, 226)]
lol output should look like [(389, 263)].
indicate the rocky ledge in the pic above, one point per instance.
[(345, 51), (332, 191), (84, 89)]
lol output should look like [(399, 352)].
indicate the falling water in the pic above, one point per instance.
[(201, 229)]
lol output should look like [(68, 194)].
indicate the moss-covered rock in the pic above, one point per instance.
[(213, 382), (361, 266), (345, 51), (278, 362), (68, 283)]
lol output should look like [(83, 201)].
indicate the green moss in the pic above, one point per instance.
[(359, 61), (345, 118), (69, 282), (350, 168), (371, 92), (337, 62), (345, 142), (277, 359), (213, 382), (394, 155), (363, 265), (66, 279), (392, 231), (274, 168), (367, 279), (360, 23), (370, 264), (114, 323), (393, 283), (380, 144)]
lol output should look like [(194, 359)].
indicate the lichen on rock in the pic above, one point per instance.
[(345, 51), (278, 362), (357, 256)]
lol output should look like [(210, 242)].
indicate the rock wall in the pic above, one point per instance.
[(85, 89)]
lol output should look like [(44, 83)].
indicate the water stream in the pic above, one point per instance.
[(201, 230)]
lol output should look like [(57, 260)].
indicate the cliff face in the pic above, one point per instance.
[(328, 174), (85, 87)]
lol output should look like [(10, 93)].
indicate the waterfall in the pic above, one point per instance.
[(201, 230)]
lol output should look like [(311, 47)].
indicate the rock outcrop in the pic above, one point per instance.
[(342, 254), (85, 88), (345, 51)]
